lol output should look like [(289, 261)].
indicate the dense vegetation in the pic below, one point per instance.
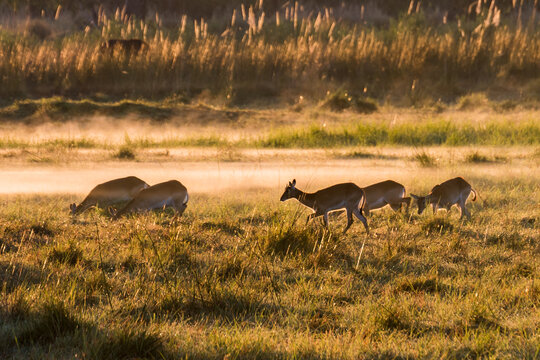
[(247, 54)]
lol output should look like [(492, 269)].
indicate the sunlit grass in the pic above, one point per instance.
[(258, 56), (246, 276)]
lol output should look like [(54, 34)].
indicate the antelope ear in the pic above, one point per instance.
[(294, 182), (112, 211), (72, 207)]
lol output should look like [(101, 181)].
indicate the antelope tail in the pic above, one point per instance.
[(363, 200), (474, 199)]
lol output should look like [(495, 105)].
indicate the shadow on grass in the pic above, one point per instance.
[(15, 275), (44, 327)]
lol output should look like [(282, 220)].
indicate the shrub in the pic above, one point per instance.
[(424, 159), (342, 100), (125, 152), (476, 157), (472, 101)]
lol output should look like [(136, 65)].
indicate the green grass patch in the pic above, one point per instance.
[(426, 134)]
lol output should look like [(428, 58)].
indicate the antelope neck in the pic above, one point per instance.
[(305, 198)]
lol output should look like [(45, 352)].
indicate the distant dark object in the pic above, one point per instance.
[(126, 46)]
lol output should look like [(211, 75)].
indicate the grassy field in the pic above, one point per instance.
[(243, 277), (311, 127), (235, 101)]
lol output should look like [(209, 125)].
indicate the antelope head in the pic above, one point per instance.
[(290, 191), (421, 202)]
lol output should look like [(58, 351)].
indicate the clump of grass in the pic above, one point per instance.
[(291, 240), (429, 285), (506, 105), (523, 270), (437, 225), (14, 305), (529, 222), (50, 322), (480, 316), (42, 229), (337, 101), (392, 318), (365, 106), (128, 343), (222, 226), (473, 101), (510, 239), (70, 255), (476, 157), (357, 154), (425, 160), (125, 152), (342, 100)]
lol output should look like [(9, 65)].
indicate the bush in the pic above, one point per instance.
[(424, 159), (342, 100), (472, 101), (125, 153), (476, 157)]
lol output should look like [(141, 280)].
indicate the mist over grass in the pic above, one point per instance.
[(430, 133)]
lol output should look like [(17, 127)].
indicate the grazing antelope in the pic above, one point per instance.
[(347, 195), (126, 46), (385, 193), (167, 194), (110, 192), (451, 192)]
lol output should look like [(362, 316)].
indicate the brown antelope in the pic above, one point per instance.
[(385, 193), (167, 194), (126, 46), (347, 195), (110, 192), (451, 192)]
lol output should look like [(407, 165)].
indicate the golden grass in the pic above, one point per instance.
[(261, 56)]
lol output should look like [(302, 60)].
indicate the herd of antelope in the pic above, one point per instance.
[(355, 200)]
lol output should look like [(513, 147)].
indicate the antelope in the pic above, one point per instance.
[(166, 194), (126, 46), (451, 192), (110, 192), (346, 195), (383, 193)]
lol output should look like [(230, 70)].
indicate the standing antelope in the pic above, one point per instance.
[(347, 195), (451, 192), (110, 192), (167, 194), (383, 193)]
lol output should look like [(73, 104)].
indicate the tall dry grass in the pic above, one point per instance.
[(263, 55)]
